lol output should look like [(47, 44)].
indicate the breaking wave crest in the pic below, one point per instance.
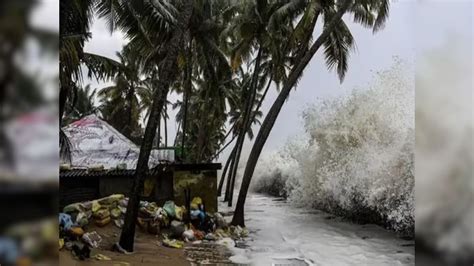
[(356, 158)]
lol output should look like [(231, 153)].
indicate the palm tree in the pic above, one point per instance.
[(254, 35), (120, 103), (337, 41), (157, 30), (82, 104), (75, 21)]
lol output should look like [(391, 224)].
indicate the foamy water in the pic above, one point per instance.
[(281, 233), (357, 154)]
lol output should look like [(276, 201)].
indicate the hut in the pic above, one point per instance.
[(103, 162)]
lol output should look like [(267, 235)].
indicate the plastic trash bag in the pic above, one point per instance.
[(179, 212), (93, 239), (115, 213), (188, 235), (169, 208), (196, 203), (65, 221), (76, 231), (177, 228), (82, 219), (101, 214), (95, 206)]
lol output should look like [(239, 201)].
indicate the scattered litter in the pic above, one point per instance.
[(93, 239), (81, 251), (153, 219), (220, 221), (173, 243), (199, 235), (210, 237), (226, 241), (101, 257), (188, 235)]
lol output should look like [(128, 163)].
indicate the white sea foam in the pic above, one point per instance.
[(357, 156)]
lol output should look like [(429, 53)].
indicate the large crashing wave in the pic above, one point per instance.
[(357, 158)]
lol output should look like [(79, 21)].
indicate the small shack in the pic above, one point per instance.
[(103, 162)]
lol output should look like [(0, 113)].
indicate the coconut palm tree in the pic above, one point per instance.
[(75, 21), (156, 30), (83, 104), (255, 35), (120, 103), (337, 42)]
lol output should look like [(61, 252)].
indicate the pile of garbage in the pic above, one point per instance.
[(174, 223), (27, 242)]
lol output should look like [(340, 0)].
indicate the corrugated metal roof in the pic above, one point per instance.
[(73, 173)]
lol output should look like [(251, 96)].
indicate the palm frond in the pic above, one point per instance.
[(337, 47)]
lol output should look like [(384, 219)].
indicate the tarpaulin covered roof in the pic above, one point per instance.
[(94, 142)]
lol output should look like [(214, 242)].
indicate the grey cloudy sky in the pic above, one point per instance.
[(374, 52), (413, 27)]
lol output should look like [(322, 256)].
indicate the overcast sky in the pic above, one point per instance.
[(411, 27), (374, 52)]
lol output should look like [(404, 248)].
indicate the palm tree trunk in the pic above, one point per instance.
[(246, 125), (130, 96), (158, 133), (229, 176), (168, 72), (187, 90), (226, 167), (267, 125), (63, 91), (165, 115)]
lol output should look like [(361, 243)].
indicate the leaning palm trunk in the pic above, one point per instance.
[(166, 76), (267, 125), (224, 172), (246, 125), (229, 176), (232, 154)]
